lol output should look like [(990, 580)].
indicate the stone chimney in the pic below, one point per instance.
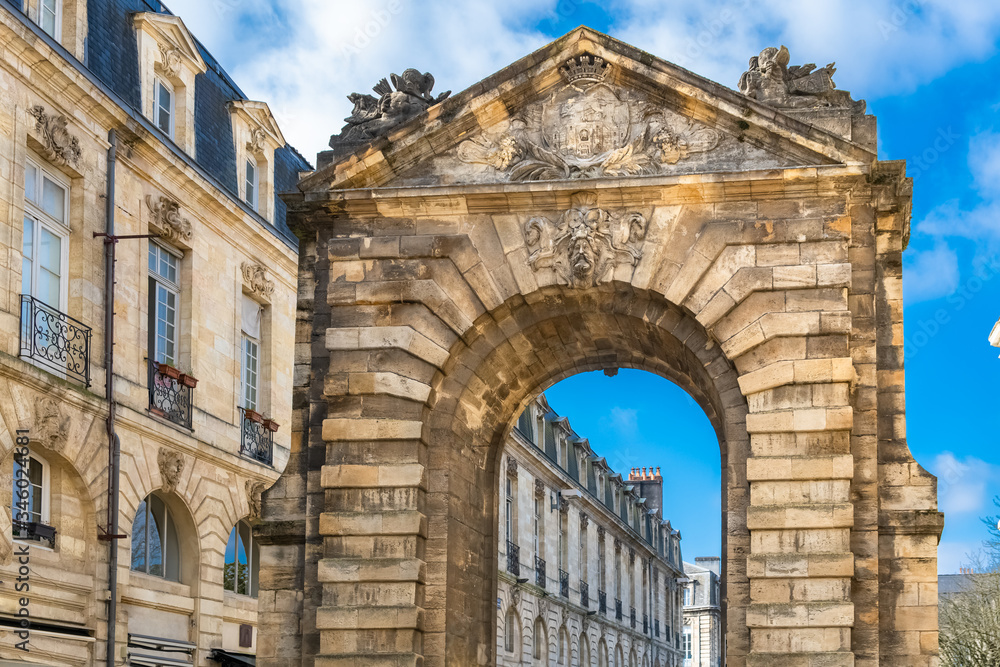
[(650, 486), (713, 563)]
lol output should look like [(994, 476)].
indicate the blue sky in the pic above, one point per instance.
[(929, 70)]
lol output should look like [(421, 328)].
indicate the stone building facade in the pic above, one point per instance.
[(702, 635), (115, 102), (592, 207), (589, 568)]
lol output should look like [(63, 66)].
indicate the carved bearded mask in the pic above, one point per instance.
[(584, 225)]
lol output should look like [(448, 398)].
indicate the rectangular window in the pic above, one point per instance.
[(686, 647), (509, 510), (538, 527), (250, 190), (164, 302), (48, 17), (250, 375), (163, 107), (44, 248)]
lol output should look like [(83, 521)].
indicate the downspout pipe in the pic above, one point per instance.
[(114, 448)]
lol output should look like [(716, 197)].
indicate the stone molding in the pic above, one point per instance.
[(59, 146), (255, 279)]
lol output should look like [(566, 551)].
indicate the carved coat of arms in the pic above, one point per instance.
[(588, 129), (585, 244)]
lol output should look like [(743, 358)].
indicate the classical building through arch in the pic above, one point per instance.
[(592, 207)]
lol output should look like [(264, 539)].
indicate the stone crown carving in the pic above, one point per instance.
[(60, 147), (770, 80), (585, 244), (165, 217), (258, 141), (170, 61), (373, 117), (171, 465), (589, 128), (256, 280)]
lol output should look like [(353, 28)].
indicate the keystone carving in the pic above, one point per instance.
[(258, 140), (515, 596), (254, 489), (373, 117), (539, 488), (618, 545), (584, 521), (585, 244), (600, 533), (51, 427), (171, 466), (170, 61), (563, 506), (770, 80), (165, 218), (512, 466), (589, 129), (256, 280), (60, 147)]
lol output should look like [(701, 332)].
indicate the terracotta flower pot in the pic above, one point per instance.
[(169, 371), (271, 425), (253, 415), (189, 381)]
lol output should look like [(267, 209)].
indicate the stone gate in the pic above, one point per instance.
[(593, 207)]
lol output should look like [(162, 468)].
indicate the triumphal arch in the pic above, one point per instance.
[(593, 207)]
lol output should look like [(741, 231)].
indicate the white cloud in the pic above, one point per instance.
[(962, 484), (303, 58), (930, 274)]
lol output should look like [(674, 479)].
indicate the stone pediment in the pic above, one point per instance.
[(587, 106)]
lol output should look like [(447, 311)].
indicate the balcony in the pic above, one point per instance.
[(257, 436), (645, 624), (539, 572), (564, 583), (54, 341), (618, 609), (513, 559), (631, 617), (584, 594), (169, 396), (602, 601)]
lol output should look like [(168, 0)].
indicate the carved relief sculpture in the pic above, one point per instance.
[(589, 129), (512, 466), (584, 521), (165, 218), (51, 425), (61, 147), (255, 278), (539, 488), (585, 244), (254, 489), (170, 61), (258, 141), (171, 465), (373, 117), (600, 532), (770, 80)]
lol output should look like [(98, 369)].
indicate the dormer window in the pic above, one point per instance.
[(48, 17), (163, 107), (251, 184)]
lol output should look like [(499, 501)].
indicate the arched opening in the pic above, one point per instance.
[(602, 654), (489, 383), (240, 574), (584, 650), (540, 639), (512, 635)]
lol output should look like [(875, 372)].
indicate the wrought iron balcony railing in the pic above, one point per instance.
[(564, 583), (602, 601), (256, 440), (584, 594), (54, 340), (631, 617), (540, 572), (656, 627), (645, 624), (618, 609), (513, 559), (169, 397)]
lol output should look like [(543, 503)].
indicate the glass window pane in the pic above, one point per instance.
[(31, 182), (54, 199), (154, 536), (48, 16), (229, 571), (28, 253), (139, 539), (153, 250), (172, 556), (50, 247)]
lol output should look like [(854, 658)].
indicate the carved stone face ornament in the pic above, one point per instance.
[(586, 243)]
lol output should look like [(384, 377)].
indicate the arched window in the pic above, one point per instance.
[(541, 643), (512, 634), (602, 654), (30, 499), (242, 561), (584, 651), (619, 656), (155, 548)]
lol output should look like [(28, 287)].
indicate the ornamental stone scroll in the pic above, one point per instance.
[(59, 146), (165, 219), (255, 279)]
